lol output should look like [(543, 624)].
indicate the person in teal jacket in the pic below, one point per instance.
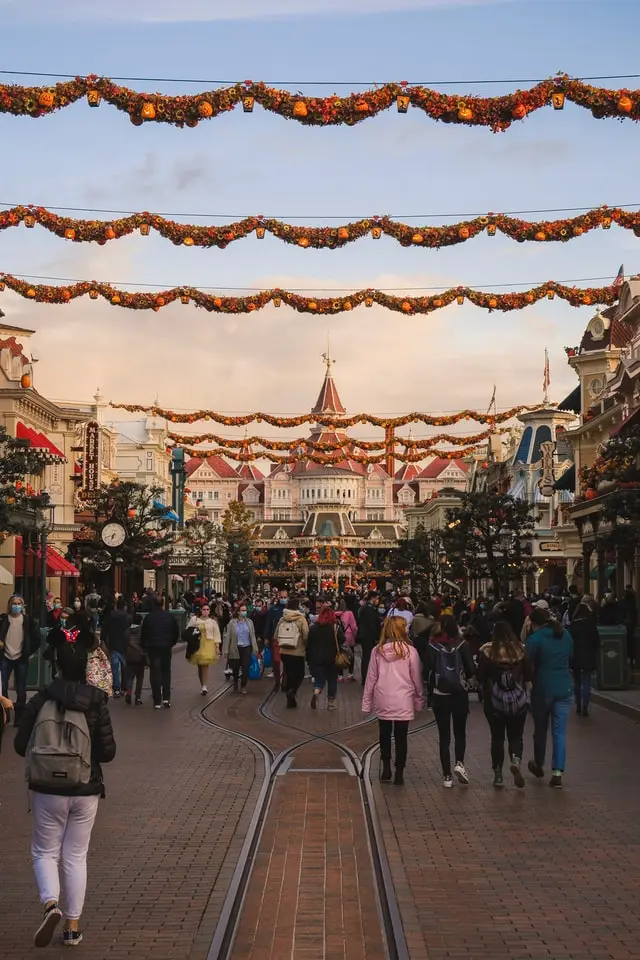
[(550, 649)]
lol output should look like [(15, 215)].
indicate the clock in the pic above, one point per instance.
[(597, 328), (113, 534), (596, 386)]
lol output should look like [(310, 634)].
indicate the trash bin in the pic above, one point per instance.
[(613, 668), (181, 616), (39, 671)]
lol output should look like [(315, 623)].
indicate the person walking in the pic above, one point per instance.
[(505, 674), (326, 637), (116, 624), (239, 645), (65, 789), (395, 691), (586, 643), (349, 626), (291, 636), (550, 649), (272, 619), (401, 609), (19, 640), (136, 661), (208, 648), (450, 666), (159, 635), (368, 630)]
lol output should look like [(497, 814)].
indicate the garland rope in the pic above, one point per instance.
[(327, 459), (48, 293), (327, 447), (191, 235), (497, 112)]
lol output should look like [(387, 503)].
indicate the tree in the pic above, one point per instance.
[(238, 527), (136, 507), (619, 463), (483, 537), (203, 547), (17, 462), (422, 559)]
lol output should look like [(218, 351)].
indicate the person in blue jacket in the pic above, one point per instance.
[(550, 649)]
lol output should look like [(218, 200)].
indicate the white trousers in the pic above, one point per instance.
[(61, 833)]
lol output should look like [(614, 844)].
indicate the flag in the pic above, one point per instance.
[(619, 280), (547, 374)]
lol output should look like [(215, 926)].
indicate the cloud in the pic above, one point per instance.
[(168, 11)]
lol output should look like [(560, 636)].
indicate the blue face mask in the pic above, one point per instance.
[(16, 608), (243, 613)]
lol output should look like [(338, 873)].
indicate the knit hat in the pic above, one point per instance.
[(541, 605)]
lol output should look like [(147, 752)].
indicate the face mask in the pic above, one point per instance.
[(283, 600), (243, 613), (57, 606), (77, 604), (16, 608), (63, 621)]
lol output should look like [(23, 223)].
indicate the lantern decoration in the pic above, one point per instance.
[(93, 98), (557, 99), (93, 293), (460, 299), (491, 229), (25, 380), (376, 232), (247, 104), (368, 302), (606, 223), (144, 229), (184, 299), (277, 301), (2, 285), (260, 233), (402, 101), (550, 294)]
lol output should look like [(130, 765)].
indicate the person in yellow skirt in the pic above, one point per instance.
[(210, 642)]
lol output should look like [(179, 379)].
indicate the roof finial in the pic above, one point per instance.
[(327, 356)]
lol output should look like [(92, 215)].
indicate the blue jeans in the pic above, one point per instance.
[(118, 664), (328, 675), (556, 710), (19, 670), (582, 688)]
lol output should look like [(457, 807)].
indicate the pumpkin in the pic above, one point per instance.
[(66, 294), (557, 99), (247, 104), (361, 106), (93, 98), (115, 298), (463, 233), (303, 242), (417, 238), (406, 307), (402, 101), (31, 292), (188, 241), (260, 233), (217, 302), (205, 109), (528, 297), (437, 302), (46, 98), (251, 307), (25, 381), (160, 301), (347, 305), (148, 111), (491, 229), (540, 235), (519, 112), (493, 303), (465, 114), (109, 233), (343, 233), (29, 221), (578, 231), (300, 109), (625, 104), (590, 494), (313, 305), (586, 299), (70, 234), (376, 232)]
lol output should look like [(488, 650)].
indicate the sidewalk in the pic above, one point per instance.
[(625, 702)]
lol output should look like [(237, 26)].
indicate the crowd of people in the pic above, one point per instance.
[(520, 656)]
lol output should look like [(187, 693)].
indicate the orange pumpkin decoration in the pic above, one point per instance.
[(148, 111), (188, 241), (590, 494), (251, 307), (493, 303), (343, 233), (368, 301), (303, 242), (184, 298), (93, 98), (313, 305), (109, 233), (361, 106), (438, 302), (25, 381), (347, 305), (31, 292), (625, 104), (519, 112), (586, 299), (406, 307), (205, 109), (463, 233), (376, 232), (417, 238), (160, 301), (465, 113), (300, 109), (557, 99), (115, 298), (46, 98), (228, 237), (70, 234), (540, 235), (217, 302), (528, 297), (578, 231), (66, 294)]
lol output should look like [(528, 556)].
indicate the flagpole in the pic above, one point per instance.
[(546, 381)]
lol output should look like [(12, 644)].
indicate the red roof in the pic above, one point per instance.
[(407, 472), (249, 471), (57, 565), (219, 466), (436, 467), (328, 401), (38, 440), (16, 348)]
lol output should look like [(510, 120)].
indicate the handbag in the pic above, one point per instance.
[(256, 667), (99, 672), (343, 660), (267, 657)]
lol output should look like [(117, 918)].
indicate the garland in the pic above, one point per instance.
[(327, 459), (325, 447), (190, 235), (498, 113), (48, 293), (445, 420)]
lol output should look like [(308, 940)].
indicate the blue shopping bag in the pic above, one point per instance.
[(256, 668), (267, 657)]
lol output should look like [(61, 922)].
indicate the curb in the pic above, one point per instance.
[(609, 702)]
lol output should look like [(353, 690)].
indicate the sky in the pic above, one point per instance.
[(238, 164)]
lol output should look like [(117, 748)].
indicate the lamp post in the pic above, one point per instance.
[(44, 525)]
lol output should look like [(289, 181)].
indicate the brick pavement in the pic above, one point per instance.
[(179, 799), (532, 874)]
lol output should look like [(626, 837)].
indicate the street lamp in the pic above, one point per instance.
[(44, 525)]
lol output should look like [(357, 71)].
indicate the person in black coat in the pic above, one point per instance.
[(159, 635), (64, 814), (369, 627), (586, 643), (19, 640), (325, 639)]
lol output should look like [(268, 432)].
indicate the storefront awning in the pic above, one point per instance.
[(38, 441), (567, 481), (57, 565)]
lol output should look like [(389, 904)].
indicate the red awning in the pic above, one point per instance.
[(57, 565), (38, 440)]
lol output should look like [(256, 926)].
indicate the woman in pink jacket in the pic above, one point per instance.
[(394, 689)]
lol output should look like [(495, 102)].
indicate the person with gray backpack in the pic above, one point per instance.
[(65, 734)]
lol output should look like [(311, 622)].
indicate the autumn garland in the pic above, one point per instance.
[(327, 459), (498, 112), (325, 237), (48, 293), (326, 447), (431, 420)]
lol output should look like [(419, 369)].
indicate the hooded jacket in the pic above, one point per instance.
[(88, 700), (303, 630), (490, 671), (322, 644), (394, 688)]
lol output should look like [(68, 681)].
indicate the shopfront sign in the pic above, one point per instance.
[(549, 546), (548, 478), (91, 459)]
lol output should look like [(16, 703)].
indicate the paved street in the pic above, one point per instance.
[(522, 875)]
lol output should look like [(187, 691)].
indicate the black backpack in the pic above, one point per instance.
[(509, 697), (448, 668)]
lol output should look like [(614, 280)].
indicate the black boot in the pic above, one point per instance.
[(385, 768), (399, 777), (498, 780)]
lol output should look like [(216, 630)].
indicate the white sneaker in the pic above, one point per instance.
[(157, 706), (204, 691), (447, 782), (461, 773), (268, 674)]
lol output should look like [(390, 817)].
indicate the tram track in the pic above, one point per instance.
[(222, 944)]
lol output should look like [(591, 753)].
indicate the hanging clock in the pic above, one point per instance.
[(113, 534)]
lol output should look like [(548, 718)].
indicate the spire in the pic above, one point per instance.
[(328, 401)]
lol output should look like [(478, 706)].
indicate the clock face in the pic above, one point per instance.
[(596, 386), (597, 329), (113, 534)]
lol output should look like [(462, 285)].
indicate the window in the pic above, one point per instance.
[(525, 443), (150, 462), (200, 495), (209, 494), (543, 435), (216, 495), (375, 515)]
